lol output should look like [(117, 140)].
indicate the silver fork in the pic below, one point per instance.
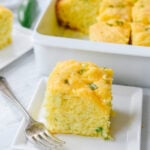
[(35, 131)]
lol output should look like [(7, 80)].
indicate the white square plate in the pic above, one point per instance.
[(126, 124), (22, 43)]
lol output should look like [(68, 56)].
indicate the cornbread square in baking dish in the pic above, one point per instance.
[(6, 19), (79, 99), (132, 2), (113, 32), (117, 13), (141, 11), (140, 34), (116, 3), (77, 14)]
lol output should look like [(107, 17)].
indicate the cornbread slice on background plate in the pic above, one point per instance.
[(77, 14), (6, 21), (78, 99), (115, 31), (22, 43), (140, 34)]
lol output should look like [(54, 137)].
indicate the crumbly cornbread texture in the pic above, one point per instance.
[(118, 3), (113, 22), (6, 19), (140, 34), (79, 99), (77, 14), (115, 13), (141, 23), (114, 32), (141, 11)]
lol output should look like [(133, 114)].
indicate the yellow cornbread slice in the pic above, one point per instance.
[(141, 11), (6, 19), (112, 12), (78, 99), (77, 14), (140, 34), (115, 32)]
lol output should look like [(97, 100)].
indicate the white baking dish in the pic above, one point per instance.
[(131, 64)]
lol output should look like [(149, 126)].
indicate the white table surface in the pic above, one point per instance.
[(23, 78)]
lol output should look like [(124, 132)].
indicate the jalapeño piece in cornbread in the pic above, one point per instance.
[(79, 99)]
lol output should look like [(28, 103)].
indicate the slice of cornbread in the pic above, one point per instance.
[(6, 19), (140, 34), (113, 32), (112, 12), (78, 99), (77, 14), (141, 11)]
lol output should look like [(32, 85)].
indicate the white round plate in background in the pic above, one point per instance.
[(22, 43)]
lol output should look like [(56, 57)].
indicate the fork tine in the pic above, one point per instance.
[(52, 137), (50, 140), (53, 144), (40, 143), (36, 143), (50, 143)]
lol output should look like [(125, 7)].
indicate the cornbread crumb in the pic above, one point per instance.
[(78, 99), (6, 19)]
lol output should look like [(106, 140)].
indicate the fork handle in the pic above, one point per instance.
[(7, 92)]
